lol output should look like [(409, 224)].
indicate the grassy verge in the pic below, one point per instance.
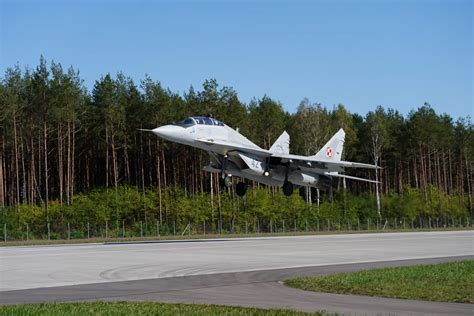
[(445, 282), (129, 308), (33, 242)]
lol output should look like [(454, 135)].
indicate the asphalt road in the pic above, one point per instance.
[(245, 272)]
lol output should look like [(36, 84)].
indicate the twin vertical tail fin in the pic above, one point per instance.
[(281, 145), (333, 149)]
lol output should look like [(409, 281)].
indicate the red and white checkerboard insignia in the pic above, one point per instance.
[(329, 152)]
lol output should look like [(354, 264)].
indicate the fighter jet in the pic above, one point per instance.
[(232, 154)]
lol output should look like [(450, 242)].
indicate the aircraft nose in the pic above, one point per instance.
[(170, 132)]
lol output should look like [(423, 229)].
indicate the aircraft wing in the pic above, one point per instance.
[(235, 147), (313, 162)]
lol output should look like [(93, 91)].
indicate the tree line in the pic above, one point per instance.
[(60, 141)]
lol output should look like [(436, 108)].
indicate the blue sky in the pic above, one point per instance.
[(398, 54)]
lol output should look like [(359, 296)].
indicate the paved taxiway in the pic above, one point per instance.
[(254, 289), (213, 271)]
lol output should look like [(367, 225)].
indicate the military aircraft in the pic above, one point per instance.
[(232, 154)]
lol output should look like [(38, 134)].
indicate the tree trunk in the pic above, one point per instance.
[(164, 177), (68, 165), (164, 168), (23, 169), (114, 160), (158, 178), (377, 191), (33, 172), (88, 171), (150, 156), (40, 161), (142, 168), (219, 208), (469, 184), (211, 177), (60, 164), (46, 175), (461, 175), (127, 163), (438, 181), (2, 186), (201, 184), (106, 156), (15, 149), (400, 177), (318, 196), (450, 172), (415, 172), (73, 164), (423, 176), (445, 175)]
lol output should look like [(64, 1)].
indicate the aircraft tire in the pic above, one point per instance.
[(241, 189), (288, 188), (226, 182)]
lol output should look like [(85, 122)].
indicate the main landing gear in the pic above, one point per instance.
[(226, 181), (287, 188), (287, 185), (240, 188)]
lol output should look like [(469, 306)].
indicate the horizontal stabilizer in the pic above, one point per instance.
[(351, 164), (338, 175)]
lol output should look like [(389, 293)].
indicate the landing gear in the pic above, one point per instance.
[(287, 188), (226, 181), (287, 185), (241, 188)]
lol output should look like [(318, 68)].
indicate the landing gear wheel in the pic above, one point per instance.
[(288, 188), (226, 182), (241, 189)]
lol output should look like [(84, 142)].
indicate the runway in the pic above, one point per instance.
[(242, 272)]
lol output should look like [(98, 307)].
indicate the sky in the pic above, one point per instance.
[(394, 53)]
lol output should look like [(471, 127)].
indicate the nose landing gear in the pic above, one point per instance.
[(240, 188), (226, 181)]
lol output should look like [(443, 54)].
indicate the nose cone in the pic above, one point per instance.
[(170, 132)]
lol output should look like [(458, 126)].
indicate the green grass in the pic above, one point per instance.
[(129, 308), (445, 282)]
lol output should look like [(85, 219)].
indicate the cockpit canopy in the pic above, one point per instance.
[(200, 120)]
